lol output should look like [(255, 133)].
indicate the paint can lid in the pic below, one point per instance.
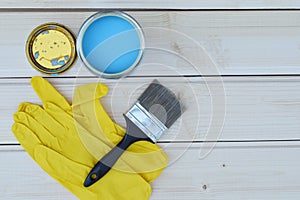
[(110, 44), (51, 48)]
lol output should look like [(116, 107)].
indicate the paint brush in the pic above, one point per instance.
[(153, 113)]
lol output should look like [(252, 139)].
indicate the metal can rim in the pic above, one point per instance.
[(99, 15)]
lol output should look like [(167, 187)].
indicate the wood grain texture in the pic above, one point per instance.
[(178, 43), (252, 171), (254, 108), (260, 114), (154, 4)]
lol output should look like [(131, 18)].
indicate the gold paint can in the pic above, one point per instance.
[(51, 48)]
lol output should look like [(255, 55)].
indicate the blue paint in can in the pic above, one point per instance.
[(111, 44)]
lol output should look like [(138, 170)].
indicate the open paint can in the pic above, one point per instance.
[(110, 44)]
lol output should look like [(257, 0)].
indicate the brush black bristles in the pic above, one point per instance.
[(161, 102)]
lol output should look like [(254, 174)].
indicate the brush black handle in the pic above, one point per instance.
[(108, 161)]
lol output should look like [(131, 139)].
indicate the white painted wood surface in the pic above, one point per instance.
[(154, 4), (236, 43), (261, 112)]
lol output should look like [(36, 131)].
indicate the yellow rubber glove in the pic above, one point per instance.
[(67, 141)]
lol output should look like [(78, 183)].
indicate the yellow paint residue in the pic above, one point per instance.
[(52, 49)]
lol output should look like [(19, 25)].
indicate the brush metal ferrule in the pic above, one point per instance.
[(146, 121)]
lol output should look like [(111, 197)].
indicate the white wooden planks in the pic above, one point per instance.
[(197, 43), (154, 4), (257, 108), (231, 171), (254, 108)]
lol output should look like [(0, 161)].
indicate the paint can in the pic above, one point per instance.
[(110, 44), (51, 48)]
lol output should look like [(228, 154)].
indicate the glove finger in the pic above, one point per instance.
[(86, 106), (37, 129), (26, 137), (68, 121), (41, 119), (89, 92), (47, 93), (61, 116), (86, 103)]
